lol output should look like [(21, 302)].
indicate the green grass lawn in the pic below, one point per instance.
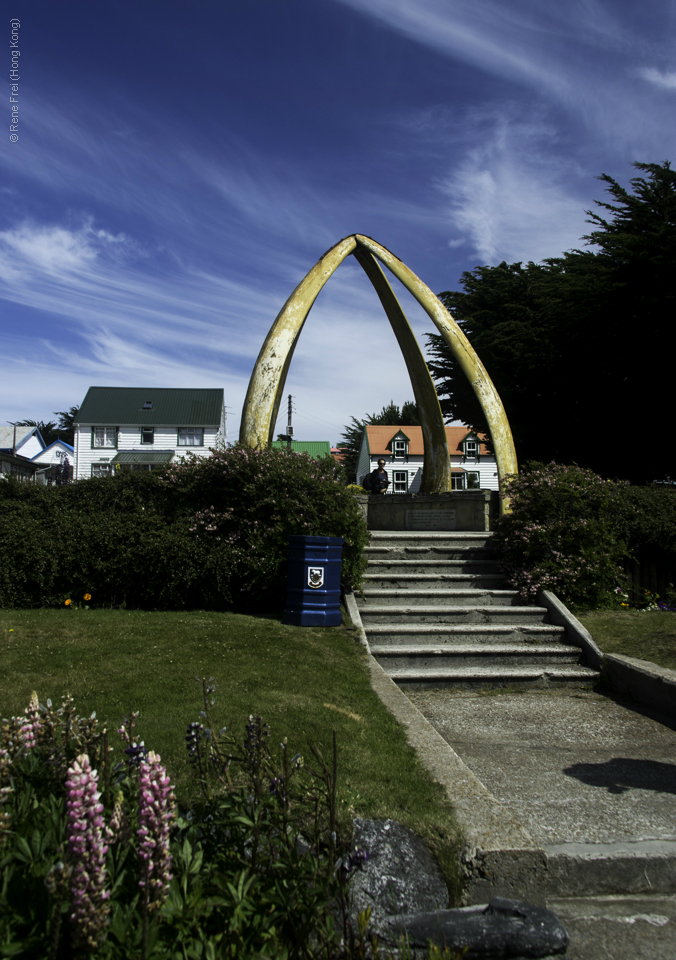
[(648, 635), (305, 683)]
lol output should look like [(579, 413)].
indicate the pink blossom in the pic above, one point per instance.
[(32, 723), (156, 813), (87, 851)]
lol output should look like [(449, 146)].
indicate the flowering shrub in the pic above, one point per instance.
[(208, 533), (565, 534), (98, 864)]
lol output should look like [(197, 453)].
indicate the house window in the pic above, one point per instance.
[(457, 481), (471, 449), (102, 469), (104, 436), (473, 481), (190, 436), (147, 434), (400, 448), (400, 481)]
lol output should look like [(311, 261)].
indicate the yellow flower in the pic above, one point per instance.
[(87, 596), (67, 602)]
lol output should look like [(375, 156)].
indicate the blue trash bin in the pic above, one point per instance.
[(313, 585)]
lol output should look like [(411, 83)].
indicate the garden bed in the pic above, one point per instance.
[(304, 682)]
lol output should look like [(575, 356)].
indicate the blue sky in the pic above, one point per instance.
[(181, 165)]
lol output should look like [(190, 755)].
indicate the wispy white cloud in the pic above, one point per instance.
[(510, 193), (659, 78)]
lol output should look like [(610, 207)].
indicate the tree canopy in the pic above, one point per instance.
[(390, 415), (578, 345), (51, 430)]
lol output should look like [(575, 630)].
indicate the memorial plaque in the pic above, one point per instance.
[(430, 519)]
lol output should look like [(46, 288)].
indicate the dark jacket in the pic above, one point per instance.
[(377, 485)]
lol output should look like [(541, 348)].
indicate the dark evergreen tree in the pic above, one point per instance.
[(577, 346), (390, 415), (66, 425)]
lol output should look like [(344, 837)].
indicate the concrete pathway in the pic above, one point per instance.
[(593, 781)]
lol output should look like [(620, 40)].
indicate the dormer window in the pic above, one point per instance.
[(399, 445), (471, 449)]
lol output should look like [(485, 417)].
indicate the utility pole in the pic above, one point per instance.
[(288, 436), (289, 428)]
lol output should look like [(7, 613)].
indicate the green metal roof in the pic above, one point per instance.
[(143, 456), (314, 448), (114, 406)]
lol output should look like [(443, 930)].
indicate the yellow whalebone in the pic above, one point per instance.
[(266, 386)]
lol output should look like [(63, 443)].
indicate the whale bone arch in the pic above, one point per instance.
[(266, 386)]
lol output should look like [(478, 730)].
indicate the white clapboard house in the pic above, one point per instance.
[(403, 450), (145, 428)]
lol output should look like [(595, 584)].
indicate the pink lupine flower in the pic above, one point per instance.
[(32, 723), (85, 830), (156, 813)]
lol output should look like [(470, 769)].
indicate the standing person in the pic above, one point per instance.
[(379, 479)]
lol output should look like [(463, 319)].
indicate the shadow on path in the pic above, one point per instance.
[(623, 773)]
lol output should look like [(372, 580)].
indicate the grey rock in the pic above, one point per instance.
[(400, 877), (502, 929)]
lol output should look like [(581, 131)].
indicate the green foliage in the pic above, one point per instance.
[(544, 327), (209, 533), (565, 533), (650, 519), (51, 430), (390, 415), (258, 865)]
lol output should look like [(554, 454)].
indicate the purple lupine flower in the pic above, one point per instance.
[(85, 829), (32, 723), (156, 812)]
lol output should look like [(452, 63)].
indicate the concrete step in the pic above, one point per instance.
[(448, 613), (402, 656), (430, 536), (434, 566), (494, 675), (598, 869), (419, 581), (445, 552), (401, 545), (452, 633), (457, 595)]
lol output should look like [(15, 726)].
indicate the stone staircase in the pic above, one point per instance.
[(436, 610)]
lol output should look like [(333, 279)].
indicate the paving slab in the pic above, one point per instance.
[(574, 767), (619, 928), (593, 781)]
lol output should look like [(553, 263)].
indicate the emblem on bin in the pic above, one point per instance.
[(315, 577)]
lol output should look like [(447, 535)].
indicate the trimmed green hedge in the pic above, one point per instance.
[(206, 533)]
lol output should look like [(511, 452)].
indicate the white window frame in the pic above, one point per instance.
[(102, 469), (472, 453), (457, 481), (185, 437), (398, 483), (104, 438), (399, 448)]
